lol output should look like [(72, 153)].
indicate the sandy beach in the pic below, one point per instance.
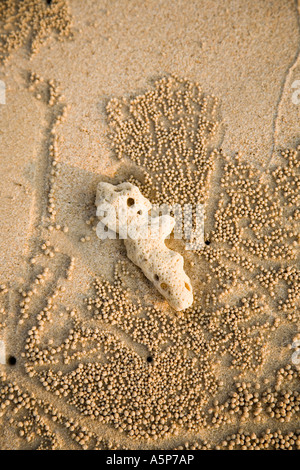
[(194, 102)]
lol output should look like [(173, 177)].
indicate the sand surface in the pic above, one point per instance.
[(223, 374)]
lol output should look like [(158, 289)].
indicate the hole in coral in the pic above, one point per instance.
[(12, 361), (163, 286), (130, 202), (187, 286), (105, 228), (139, 212), (207, 242), (156, 277), (49, 2), (149, 359)]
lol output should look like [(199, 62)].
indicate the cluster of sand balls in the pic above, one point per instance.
[(32, 419), (269, 440), (26, 295), (290, 276), (198, 445), (104, 389), (3, 313), (243, 440), (250, 215), (2, 318), (256, 220), (148, 373), (253, 219), (32, 20), (249, 400), (168, 131), (188, 332), (30, 426)]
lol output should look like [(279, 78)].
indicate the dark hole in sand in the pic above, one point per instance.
[(12, 361)]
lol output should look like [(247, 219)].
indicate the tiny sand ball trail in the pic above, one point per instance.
[(138, 371), (92, 356), (170, 131)]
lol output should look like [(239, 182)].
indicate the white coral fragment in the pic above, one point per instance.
[(124, 210)]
